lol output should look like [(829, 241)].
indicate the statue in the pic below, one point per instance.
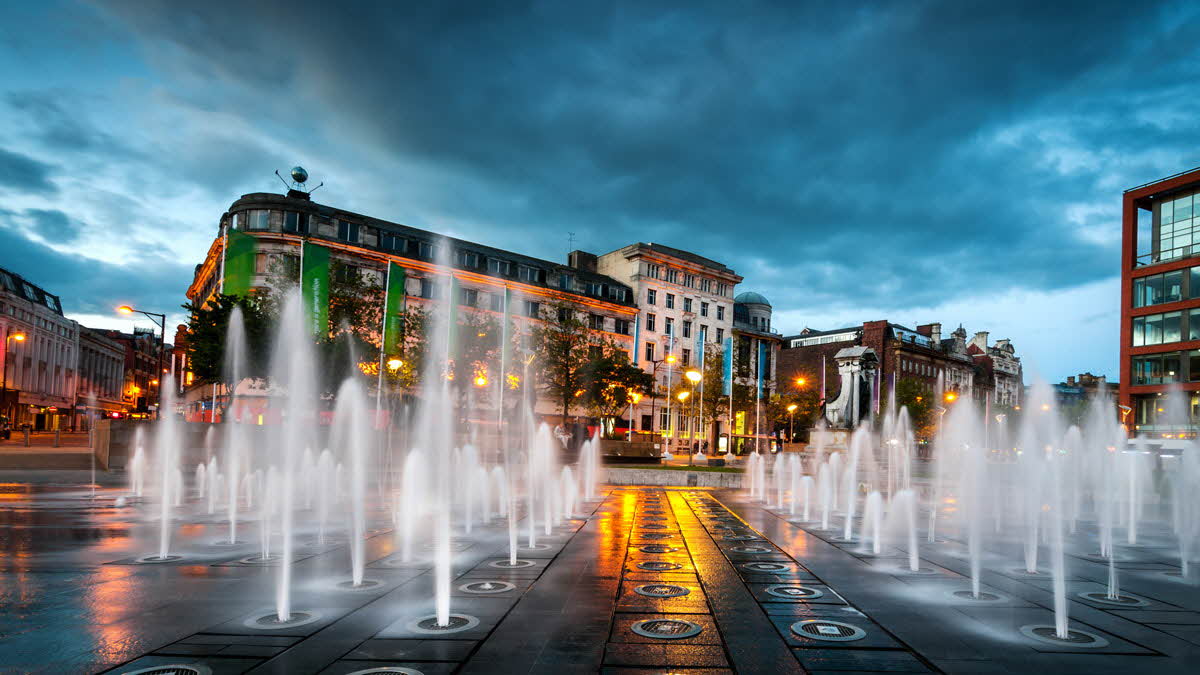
[(857, 367)]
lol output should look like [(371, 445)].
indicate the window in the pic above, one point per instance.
[(533, 309), (673, 276), (720, 312), (564, 315), (295, 222), (529, 274), (706, 285), (670, 301), (1156, 329), (685, 357), (650, 323), (621, 326), (687, 329), (393, 242), (428, 289), (426, 250), (347, 231), (468, 297), (497, 300), (703, 309), (651, 296), (500, 267), (617, 293), (467, 259), (720, 335), (670, 327), (565, 282), (1164, 368), (722, 289), (1157, 289), (689, 280), (595, 322), (653, 271), (595, 289), (649, 351), (687, 304), (704, 333)]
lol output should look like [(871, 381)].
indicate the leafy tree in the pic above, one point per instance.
[(208, 326), (611, 382), (561, 343), (913, 394)]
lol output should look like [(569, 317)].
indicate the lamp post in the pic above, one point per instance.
[(694, 377), (669, 358), (161, 320), (683, 396), (791, 422), (19, 337)]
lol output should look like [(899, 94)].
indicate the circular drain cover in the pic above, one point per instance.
[(173, 669), (661, 590), (830, 631), (1122, 600), (653, 512), (1075, 637), (366, 585), (657, 548), (667, 629), (428, 625), (741, 537), (485, 587), (271, 621), (506, 565), (983, 596), (387, 669), (750, 549), (659, 566), (767, 567), (793, 592), (657, 535), (260, 560), (654, 526), (535, 547), (654, 517), (152, 559)]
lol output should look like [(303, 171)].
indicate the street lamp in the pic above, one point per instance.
[(19, 337), (394, 364), (669, 358), (694, 377), (161, 320), (791, 420)]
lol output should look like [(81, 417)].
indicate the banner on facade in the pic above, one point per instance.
[(393, 308), (762, 357), (314, 288), (727, 380), (240, 252)]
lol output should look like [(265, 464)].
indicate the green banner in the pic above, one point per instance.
[(240, 252), (393, 310), (314, 287)]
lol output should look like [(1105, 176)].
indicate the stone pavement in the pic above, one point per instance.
[(645, 580)]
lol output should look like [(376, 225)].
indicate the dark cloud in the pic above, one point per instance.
[(53, 225), (26, 174), (88, 286)]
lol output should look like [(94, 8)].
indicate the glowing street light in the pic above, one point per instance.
[(394, 364), (800, 381), (683, 395), (791, 419), (161, 320), (951, 397), (693, 375)]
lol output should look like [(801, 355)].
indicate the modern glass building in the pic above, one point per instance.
[(1160, 305)]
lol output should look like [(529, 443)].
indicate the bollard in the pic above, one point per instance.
[(56, 431), (26, 437)]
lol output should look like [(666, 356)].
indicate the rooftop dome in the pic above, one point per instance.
[(751, 298)]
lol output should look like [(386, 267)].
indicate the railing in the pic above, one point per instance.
[(1167, 255)]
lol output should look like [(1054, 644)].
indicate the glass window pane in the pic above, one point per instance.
[(1194, 282), (1171, 327), (1154, 289), (1194, 365), (1173, 286), (1165, 211), (1183, 208), (1139, 292), (1139, 327), (1154, 329), (1171, 368)]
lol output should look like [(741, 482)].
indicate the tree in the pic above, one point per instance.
[(561, 342), (208, 328), (913, 394), (612, 382)]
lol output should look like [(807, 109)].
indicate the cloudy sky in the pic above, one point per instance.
[(952, 161)]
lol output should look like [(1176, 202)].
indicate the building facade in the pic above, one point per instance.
[(101, 377), (142, 376), (1160, 301), (684, 306), (988, 372), (483, 275), (39, 356), (756, 346)]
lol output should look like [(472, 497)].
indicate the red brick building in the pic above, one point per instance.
[(972, 367), (1160, 298)]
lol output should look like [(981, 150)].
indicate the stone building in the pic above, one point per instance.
[(484, 275), (968, 367), (39, 369), (101, 377), (684, 303), (139, 388), (756, 346)]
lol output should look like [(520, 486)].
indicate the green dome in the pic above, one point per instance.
[(751, 298)]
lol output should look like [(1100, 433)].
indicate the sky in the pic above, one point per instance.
[(919, 161)]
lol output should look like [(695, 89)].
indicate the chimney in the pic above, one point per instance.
[(1070, 380), (980, 340), (582, 260), (935, 334)]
